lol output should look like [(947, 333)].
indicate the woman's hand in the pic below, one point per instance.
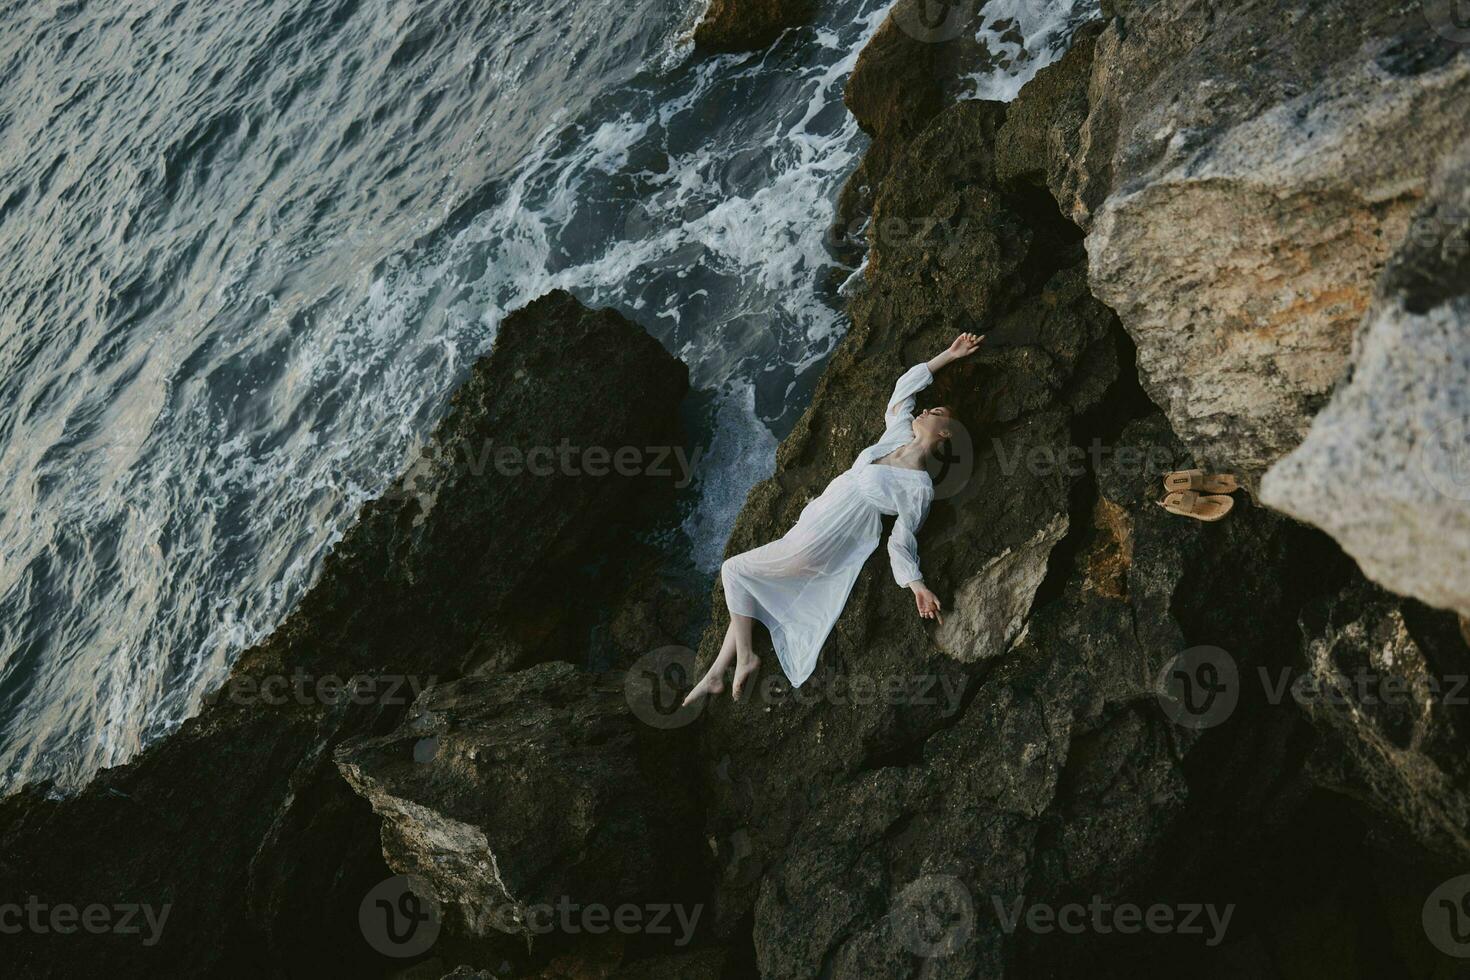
[(927, 602), (964, 345)]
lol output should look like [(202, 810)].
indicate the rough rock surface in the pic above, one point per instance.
[(1045, 744), (1042, 139), (965, 253), (240, 820), (746, 25), (1268, 159), (903, 77), (1388, 682), (1385, 468), (506, 792), (873, 824)]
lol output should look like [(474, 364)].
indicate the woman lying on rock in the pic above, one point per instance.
[(798, 585)]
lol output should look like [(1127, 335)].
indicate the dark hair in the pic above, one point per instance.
[(972, 396)]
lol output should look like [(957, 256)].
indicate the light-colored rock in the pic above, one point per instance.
[(990, 607), (1250, 218), (1386, 467), (451, 857)]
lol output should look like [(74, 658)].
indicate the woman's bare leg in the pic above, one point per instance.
[(746, 662), (713, 681)]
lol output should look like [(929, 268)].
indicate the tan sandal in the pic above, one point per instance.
[(1187, 503), (1200, 481)]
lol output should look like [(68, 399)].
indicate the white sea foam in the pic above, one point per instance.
[(1024, 36), (166, 504)]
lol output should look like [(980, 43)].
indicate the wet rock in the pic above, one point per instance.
[(536, 788), (240, 822), (1385, 468), (1264, 170), (1042, 141), (905, 75), (747, 25)]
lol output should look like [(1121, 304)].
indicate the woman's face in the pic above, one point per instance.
[(934, 422)]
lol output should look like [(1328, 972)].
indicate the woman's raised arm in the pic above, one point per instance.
[(964, 345), (913, 381), (921, 376)]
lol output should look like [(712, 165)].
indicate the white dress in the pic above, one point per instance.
[(798, 585)]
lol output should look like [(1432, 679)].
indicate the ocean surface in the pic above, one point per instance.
[(247, 250)]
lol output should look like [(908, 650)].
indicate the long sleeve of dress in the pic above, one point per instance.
[(903, 547), (901, 405)]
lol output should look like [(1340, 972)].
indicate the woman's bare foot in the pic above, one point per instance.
[(743, 672), (711, 683)]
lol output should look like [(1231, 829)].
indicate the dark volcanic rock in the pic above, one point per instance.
[(745, 25), (1387, 682), (1059, 777), (915, 65), (1042, 142), (240, 821), (506, 792), (1029, 749), (965, 254)]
